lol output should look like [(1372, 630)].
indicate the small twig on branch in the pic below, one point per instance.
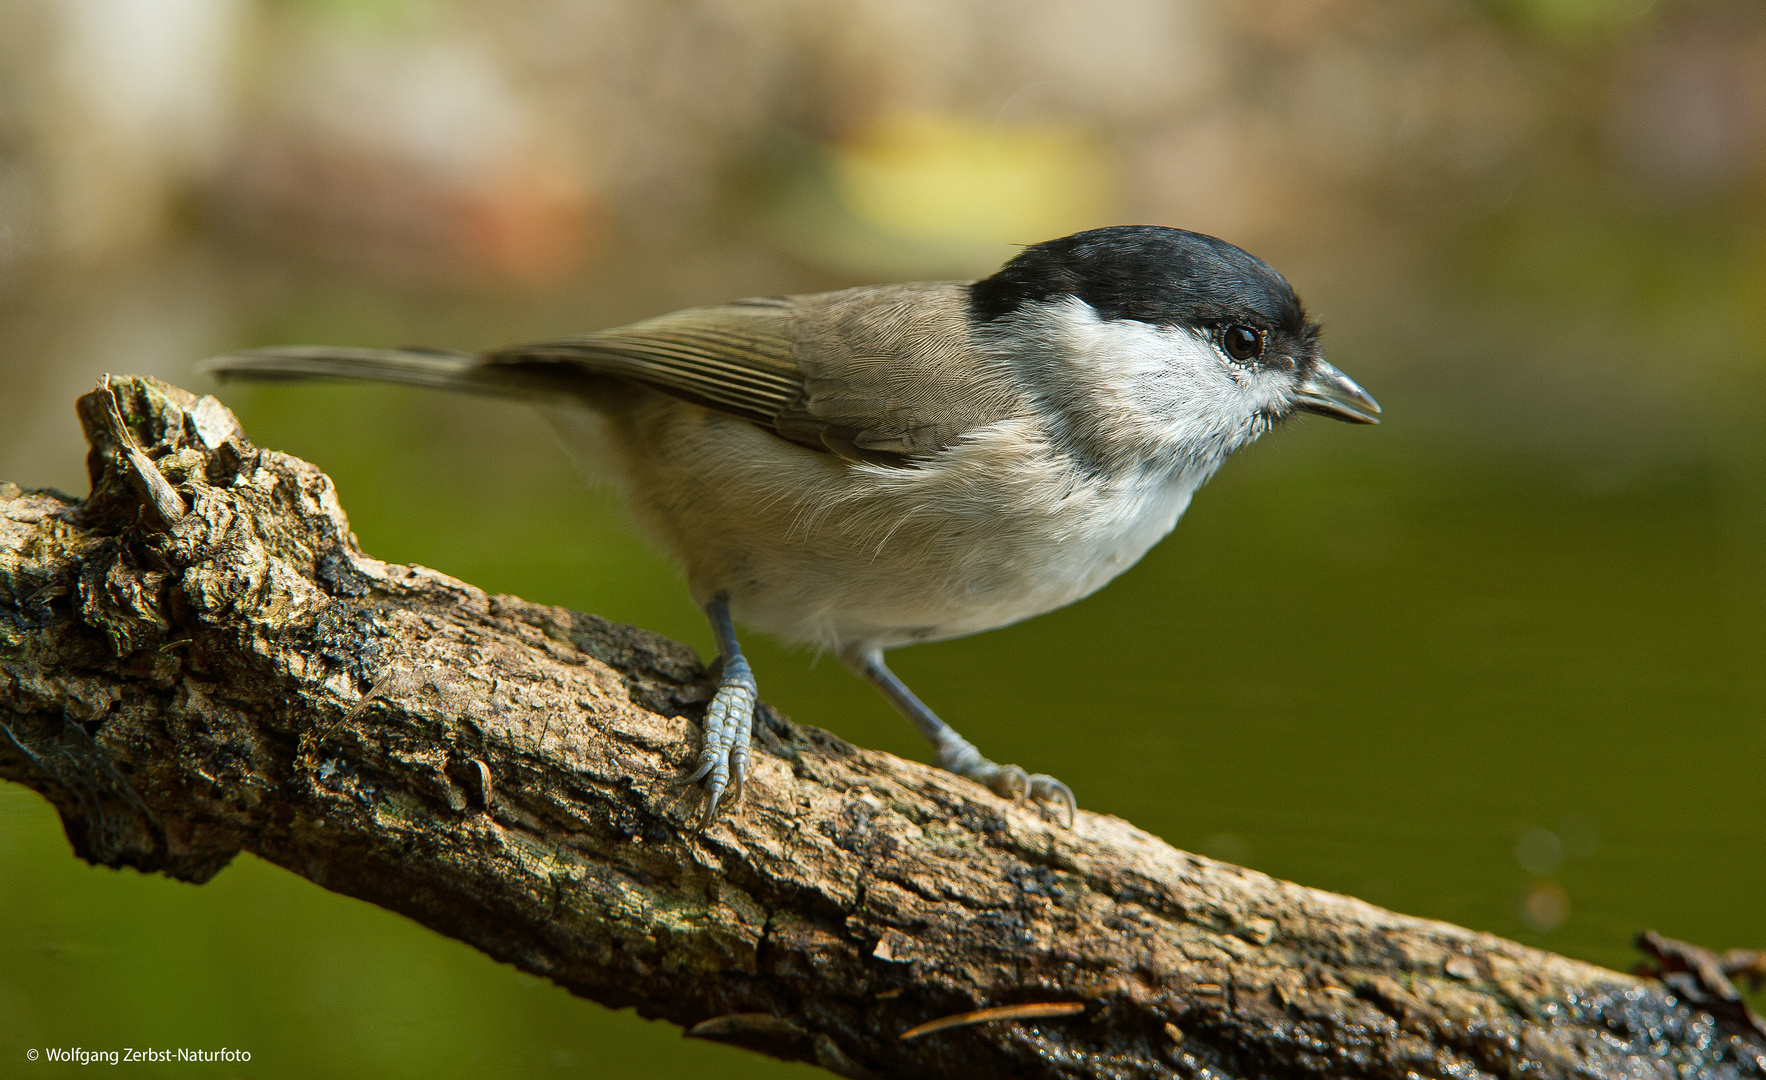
[(239, 676), (1032, 1011)]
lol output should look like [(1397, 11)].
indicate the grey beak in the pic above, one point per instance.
[(1329, 392)]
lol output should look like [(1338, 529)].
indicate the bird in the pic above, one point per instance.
[(889, 465)]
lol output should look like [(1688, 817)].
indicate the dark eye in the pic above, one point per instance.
[(1242, 342)]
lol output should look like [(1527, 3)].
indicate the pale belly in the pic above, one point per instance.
[(1019, 569), (817, 550)]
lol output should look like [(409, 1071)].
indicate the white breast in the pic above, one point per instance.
[(1043, 536), (814, 549)]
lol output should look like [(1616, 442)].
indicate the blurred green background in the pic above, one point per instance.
[(1498, 661)]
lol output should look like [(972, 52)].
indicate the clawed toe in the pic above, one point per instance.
[(1008, 781), (1047, 790), (1012, 782), (723, 749)]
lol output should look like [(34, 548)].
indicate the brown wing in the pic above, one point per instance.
[(875, 374), (736, 358), (889, 372)]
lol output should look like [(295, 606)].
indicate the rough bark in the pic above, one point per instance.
[(198, 660)]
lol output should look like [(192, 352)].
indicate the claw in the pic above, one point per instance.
[(1046, 789), (738, 772), (711, 796)]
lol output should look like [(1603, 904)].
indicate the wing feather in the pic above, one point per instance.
[(881, 374), (735, 357)]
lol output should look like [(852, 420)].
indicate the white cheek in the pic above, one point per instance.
[(1172, 382)]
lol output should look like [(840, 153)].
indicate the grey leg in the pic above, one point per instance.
[(956, 753), (729, 719)]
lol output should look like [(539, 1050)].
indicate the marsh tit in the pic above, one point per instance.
[(894, 464)]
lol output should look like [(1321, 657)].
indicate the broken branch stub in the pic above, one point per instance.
[(239, 676)]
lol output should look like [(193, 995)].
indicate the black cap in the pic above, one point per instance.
[(1149, 273)]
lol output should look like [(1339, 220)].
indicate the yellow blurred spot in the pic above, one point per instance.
[(948, 179), (930, 195)]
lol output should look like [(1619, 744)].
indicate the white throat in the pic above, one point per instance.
[(1137, 397)]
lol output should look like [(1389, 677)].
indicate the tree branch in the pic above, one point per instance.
[(197, 660)]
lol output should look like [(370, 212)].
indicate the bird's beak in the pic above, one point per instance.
[(1329, 392)]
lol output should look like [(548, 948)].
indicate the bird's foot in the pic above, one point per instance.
[(1007, 781), (723, 747)]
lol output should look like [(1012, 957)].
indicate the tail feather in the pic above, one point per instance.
[(410, 367)]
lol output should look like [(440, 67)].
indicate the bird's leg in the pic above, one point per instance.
[(956, 753), (729, 719)]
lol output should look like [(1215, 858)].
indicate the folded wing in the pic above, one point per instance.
[(879, 374)]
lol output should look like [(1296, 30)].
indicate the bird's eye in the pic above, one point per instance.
[(1242, 342)]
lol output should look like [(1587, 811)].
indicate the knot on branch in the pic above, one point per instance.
[(190, 540)]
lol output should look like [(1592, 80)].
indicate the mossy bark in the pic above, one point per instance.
[(197, 659)]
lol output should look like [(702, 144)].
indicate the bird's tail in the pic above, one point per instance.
[(411, 367)]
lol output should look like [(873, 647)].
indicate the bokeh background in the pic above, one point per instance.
[(1498, 661)]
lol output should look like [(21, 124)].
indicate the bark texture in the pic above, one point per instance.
[(197, 659)]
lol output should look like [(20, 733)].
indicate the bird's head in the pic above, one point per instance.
[(1178, 336)]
